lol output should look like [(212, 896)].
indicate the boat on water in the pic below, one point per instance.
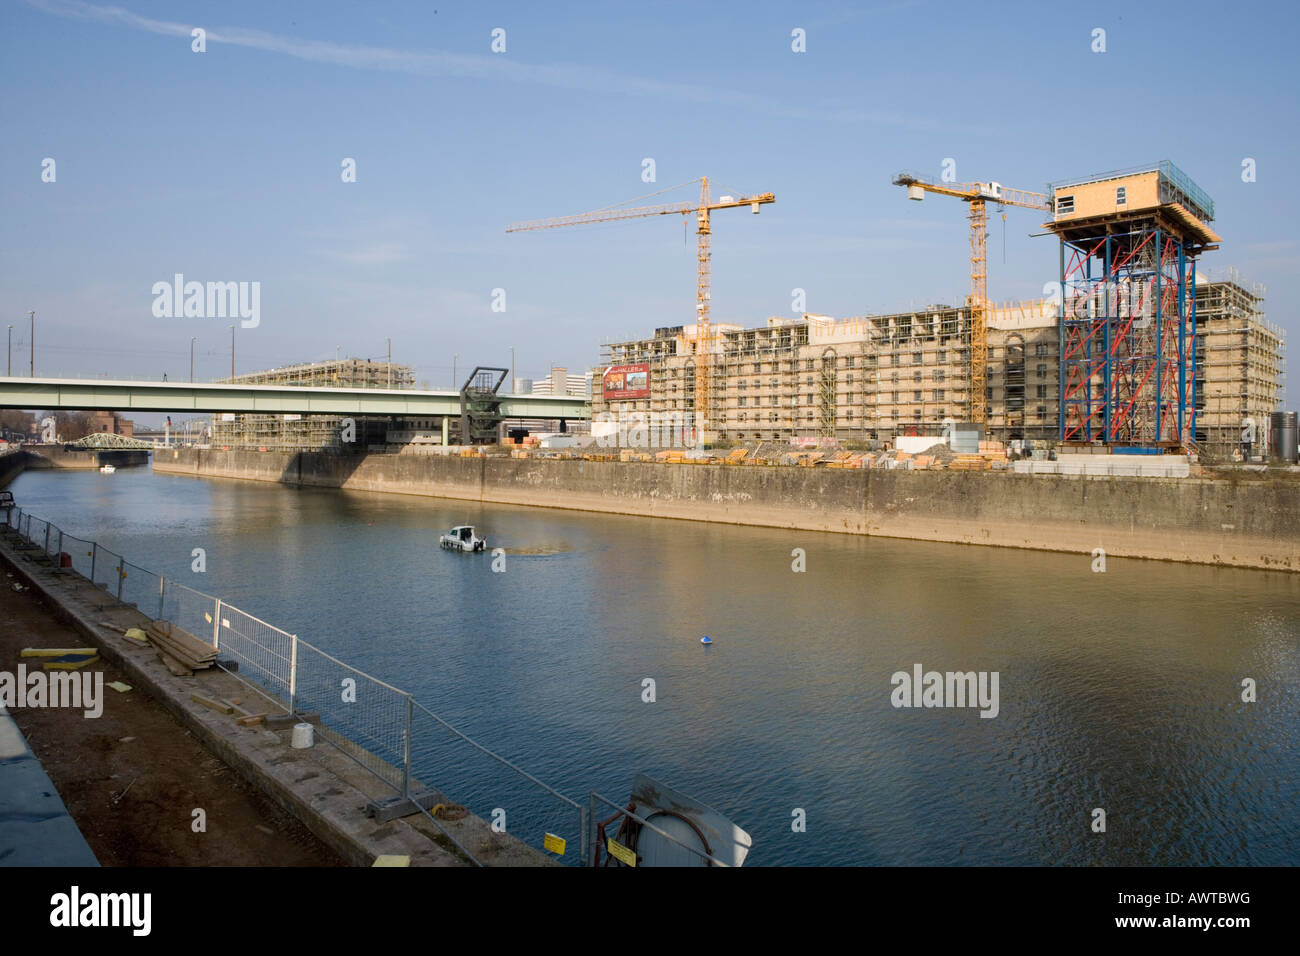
[(107, 469), (462, 538), (663, 827)]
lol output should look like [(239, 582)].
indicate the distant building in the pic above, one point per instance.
[(575, 385), (312, 431), (111, 423)]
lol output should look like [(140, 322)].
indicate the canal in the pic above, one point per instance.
[(1119, 690)]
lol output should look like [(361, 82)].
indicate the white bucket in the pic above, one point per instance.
[(302, 736)]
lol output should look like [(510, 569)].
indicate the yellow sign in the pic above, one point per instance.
[(621, 853), (554, 844)]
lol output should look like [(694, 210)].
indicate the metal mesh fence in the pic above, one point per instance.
[(108, 569), (143, 589), (496, 790), (82, 553), (190, 610), (377, 725), (263, 652), (36, 531), (358, 707)]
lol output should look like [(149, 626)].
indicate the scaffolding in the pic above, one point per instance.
[(295, 432), (1129, 243), (1239, 361)]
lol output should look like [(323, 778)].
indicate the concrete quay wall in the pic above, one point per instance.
[(1251, 523)]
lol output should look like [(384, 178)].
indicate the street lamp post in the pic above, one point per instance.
[(32, 315), (192, 359), (453, 370), (390, 361)]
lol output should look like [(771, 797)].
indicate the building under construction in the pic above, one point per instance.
[(871, 377), (312, 431), (877, 377), (1239, 367)]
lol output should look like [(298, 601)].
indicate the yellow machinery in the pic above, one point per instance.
[(976, 195), (702, 211)]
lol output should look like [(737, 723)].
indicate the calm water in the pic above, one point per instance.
[(1118, 690)]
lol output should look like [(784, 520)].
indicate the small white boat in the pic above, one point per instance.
[(107, 469), (462, 538)]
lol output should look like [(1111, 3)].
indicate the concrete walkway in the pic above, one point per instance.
[(35, 828)]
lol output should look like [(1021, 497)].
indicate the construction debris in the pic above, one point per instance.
[(184, 649)]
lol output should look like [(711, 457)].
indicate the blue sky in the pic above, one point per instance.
[(225, 165)]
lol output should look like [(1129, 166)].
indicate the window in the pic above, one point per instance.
[(893, 359), (807, 365), (894, 377), (742, 402), (916, 376), (895, 399), (742, 416), (916, 396), (848, 362), (1064, 205), (810, 398), (941, 355), (938, 395), (1041, 370), (939, 375), (1040, 391), (917, 415), (849, 378), (1121, 196), (757, 367), (849, 414), (1042, 411), (1040, 349)]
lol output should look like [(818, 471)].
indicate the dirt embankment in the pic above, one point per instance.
[(132, 777)]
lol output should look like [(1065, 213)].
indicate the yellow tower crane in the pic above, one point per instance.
[(976, 195), (702, 211)]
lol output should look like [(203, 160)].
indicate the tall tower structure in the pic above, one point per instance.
[(1129, 243)]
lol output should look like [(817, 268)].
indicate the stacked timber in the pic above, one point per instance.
[(181, 651)]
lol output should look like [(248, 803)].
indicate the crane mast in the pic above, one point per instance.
[(704, 233), (976, 196)]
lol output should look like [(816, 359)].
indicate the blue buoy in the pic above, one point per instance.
[(705, 640)]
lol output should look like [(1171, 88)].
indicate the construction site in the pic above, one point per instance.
[(1137, 353)]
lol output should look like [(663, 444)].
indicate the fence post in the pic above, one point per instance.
[(406, 755), (584, 824), (47, 538), (216, 626), (162, 584), (293, 674), (121, 576), (94, 556), (59, 565)]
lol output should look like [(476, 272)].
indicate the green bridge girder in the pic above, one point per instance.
[(107, 441), (123, 396)]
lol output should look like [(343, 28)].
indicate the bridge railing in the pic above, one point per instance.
[(383, 729)]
